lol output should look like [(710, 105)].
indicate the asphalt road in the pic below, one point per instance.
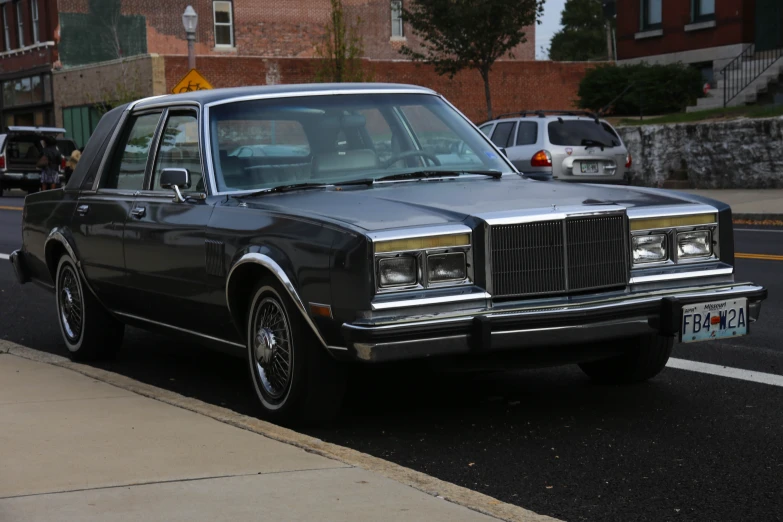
[(685, 446)]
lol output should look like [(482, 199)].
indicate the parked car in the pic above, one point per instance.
[(20, 148), (347, 256), (562, 145)]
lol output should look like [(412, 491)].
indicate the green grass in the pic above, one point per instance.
[(758, 111)]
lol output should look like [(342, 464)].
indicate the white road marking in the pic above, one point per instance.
[(726, 371), (4, 256), (757, 230)]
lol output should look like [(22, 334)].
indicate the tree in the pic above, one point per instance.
[(341, 49), (468, 34), (583, 36)]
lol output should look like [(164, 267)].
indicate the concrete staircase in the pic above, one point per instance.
[(749, 94)]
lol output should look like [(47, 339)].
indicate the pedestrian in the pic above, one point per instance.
[(49, 163), (70, 165)]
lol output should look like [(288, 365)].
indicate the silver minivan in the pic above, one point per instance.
[(562, 145)]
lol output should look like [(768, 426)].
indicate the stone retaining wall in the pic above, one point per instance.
[(739, 154)]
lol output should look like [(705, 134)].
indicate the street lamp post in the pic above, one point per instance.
[(190, 21)]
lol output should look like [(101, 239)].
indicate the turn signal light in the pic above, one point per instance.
[(628, 161), (542, 158)]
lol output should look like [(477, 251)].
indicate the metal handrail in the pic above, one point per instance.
[(737, 77)]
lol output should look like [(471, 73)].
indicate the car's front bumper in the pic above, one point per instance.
[(505, 328)]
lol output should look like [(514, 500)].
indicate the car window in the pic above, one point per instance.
[(527, 134), (379, 132), (25, 148), (581, 132), (486, 128), (258, 144), (179, 149), (503, 134), (130, 158)]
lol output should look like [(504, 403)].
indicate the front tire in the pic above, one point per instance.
[(89, 331), (645, 357), (295, 380)]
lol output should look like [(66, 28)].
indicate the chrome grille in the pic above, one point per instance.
[(556, 257), (597, 252)]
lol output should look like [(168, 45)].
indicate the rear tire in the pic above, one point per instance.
[(296, 381), (89, 331), (645, 358)]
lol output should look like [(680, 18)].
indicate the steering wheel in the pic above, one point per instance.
[(410, 154), (245, 147)]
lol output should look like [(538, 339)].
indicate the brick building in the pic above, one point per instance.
[(704, 32), (140, 46), (28, 52), (743, 35)]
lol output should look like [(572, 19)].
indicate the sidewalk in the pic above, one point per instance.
[(759, 204), (73, 448)]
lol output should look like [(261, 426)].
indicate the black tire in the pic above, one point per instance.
[(644, 358), (89, 331), (312, 390)]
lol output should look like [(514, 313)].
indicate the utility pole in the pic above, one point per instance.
[(609, 49)]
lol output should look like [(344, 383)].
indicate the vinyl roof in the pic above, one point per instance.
[(209, 96)]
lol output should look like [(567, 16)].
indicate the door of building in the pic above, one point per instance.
[(769, 25)]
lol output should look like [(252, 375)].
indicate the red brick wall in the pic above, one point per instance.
[(734, 22), (515, 85), (270, 28), (47, 20)]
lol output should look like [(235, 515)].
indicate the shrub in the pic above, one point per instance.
[(660, 89)]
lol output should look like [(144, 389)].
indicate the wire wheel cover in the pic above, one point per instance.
[(71, 304), (272, 349)]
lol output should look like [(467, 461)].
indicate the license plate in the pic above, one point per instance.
[(589, 168), (715, 320)]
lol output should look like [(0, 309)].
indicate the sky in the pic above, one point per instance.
[(550, 23)]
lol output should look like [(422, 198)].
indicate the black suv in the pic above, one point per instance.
[(20, 148)]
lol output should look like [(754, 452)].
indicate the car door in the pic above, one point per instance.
[(165, 249), (101, 212), (521, 150)]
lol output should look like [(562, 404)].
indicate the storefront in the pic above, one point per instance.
[(27, 100)]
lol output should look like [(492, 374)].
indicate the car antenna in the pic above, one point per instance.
[(560, 119)]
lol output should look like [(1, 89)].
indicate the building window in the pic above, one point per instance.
[(6, 29), (20, 24), (651, 14), (224, 24), (703, 10), (34, 16), (396, 19)]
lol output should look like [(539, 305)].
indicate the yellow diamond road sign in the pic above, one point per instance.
[(193, 81)]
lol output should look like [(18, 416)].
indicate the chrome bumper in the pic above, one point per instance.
[(519, 328)]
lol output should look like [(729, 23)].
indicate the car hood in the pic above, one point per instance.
[(430, 202)]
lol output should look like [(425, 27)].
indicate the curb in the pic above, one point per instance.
[(453, 493), (758, 217)]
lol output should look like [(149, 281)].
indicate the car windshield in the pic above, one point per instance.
[(582, 132), (262, 144)]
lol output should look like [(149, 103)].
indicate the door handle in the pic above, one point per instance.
[(83, 209), (138, 212)]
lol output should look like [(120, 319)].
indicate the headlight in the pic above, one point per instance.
[(446, 267), (397, 271), (649, 249), (694, 244)]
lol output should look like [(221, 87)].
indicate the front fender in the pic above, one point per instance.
[(244, 265)]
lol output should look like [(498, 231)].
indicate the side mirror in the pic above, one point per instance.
[(175, 179)]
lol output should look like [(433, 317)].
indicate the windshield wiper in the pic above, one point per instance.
[(422, 174), (594, 143), (282, 188)]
